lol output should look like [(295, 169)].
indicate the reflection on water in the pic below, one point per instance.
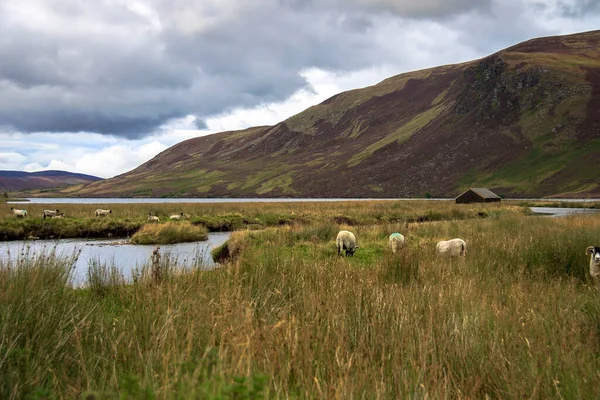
[(124, 256), (561, 212)]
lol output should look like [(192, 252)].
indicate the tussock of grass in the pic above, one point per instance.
[(231, 249), (168, 233)]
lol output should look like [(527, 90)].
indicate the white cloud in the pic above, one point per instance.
[(109, 161), (7, 159), (32, 167)]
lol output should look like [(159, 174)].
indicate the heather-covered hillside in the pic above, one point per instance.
[(523, 122), (11, 181)]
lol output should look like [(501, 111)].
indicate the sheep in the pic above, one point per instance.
[(454, 247), (19, 213), (153, 218), (61, 215), (396, 241), (594, 251), (102, 213), (49, 213), (346, 241), (177, 217)]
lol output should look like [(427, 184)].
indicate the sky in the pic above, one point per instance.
[(99, 87)]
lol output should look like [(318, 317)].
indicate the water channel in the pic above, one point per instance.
[(562, 212), (118, 252)]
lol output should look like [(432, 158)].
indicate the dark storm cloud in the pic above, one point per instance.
[(579, 8), (426, 8), (125, 68), (403, 8), (200, 124), (58, 79)]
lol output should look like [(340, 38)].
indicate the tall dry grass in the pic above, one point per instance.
[(170, 232), (517, 318)]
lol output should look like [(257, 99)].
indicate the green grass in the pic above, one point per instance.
[(169, 233), (286, 317), (39, 228), (126, 219)]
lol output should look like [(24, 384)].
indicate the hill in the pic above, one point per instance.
[(524, 122), (13, 181)]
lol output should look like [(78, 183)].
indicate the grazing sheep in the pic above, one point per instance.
[(153, 218), (49, 213), (346, 241), (594, 251), (19, 213), (454, 247), (396, 241), (61, 215), (102, 213), (177, 217)]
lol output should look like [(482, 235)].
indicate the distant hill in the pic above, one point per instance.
[(524, 122), (14, 181)]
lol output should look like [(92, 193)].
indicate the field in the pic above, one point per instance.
[(126, 219), (518, 317)]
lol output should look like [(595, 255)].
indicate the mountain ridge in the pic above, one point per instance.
[(11, 181), (524, 122)]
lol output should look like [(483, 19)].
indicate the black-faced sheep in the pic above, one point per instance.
[(594, 252), (49, 213), (177, 217), (346, 241), (153, 218), (453, 247)]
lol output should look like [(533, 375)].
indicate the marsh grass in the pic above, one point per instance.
[(517, 318), (169, 232), (562, 204), (102, 278), (66, 228), (126, 219)]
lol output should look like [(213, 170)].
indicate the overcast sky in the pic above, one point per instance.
[(101, 86)]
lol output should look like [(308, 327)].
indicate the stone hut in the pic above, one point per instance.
[(477, 195)]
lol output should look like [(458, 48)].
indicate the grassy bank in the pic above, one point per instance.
[(169, 233), (12, 228), (126, 219), (517, 318)]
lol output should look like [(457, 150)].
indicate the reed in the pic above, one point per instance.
[(518, 317), (126, 219)]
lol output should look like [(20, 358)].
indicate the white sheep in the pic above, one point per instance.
[(453, 247), (49, 213), (61, 215), (19, 213), (396, 241), (346, 241), (102, 213), (153, 218), (594, 251), (177, 217)]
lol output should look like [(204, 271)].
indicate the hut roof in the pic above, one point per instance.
[(483, 192)]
